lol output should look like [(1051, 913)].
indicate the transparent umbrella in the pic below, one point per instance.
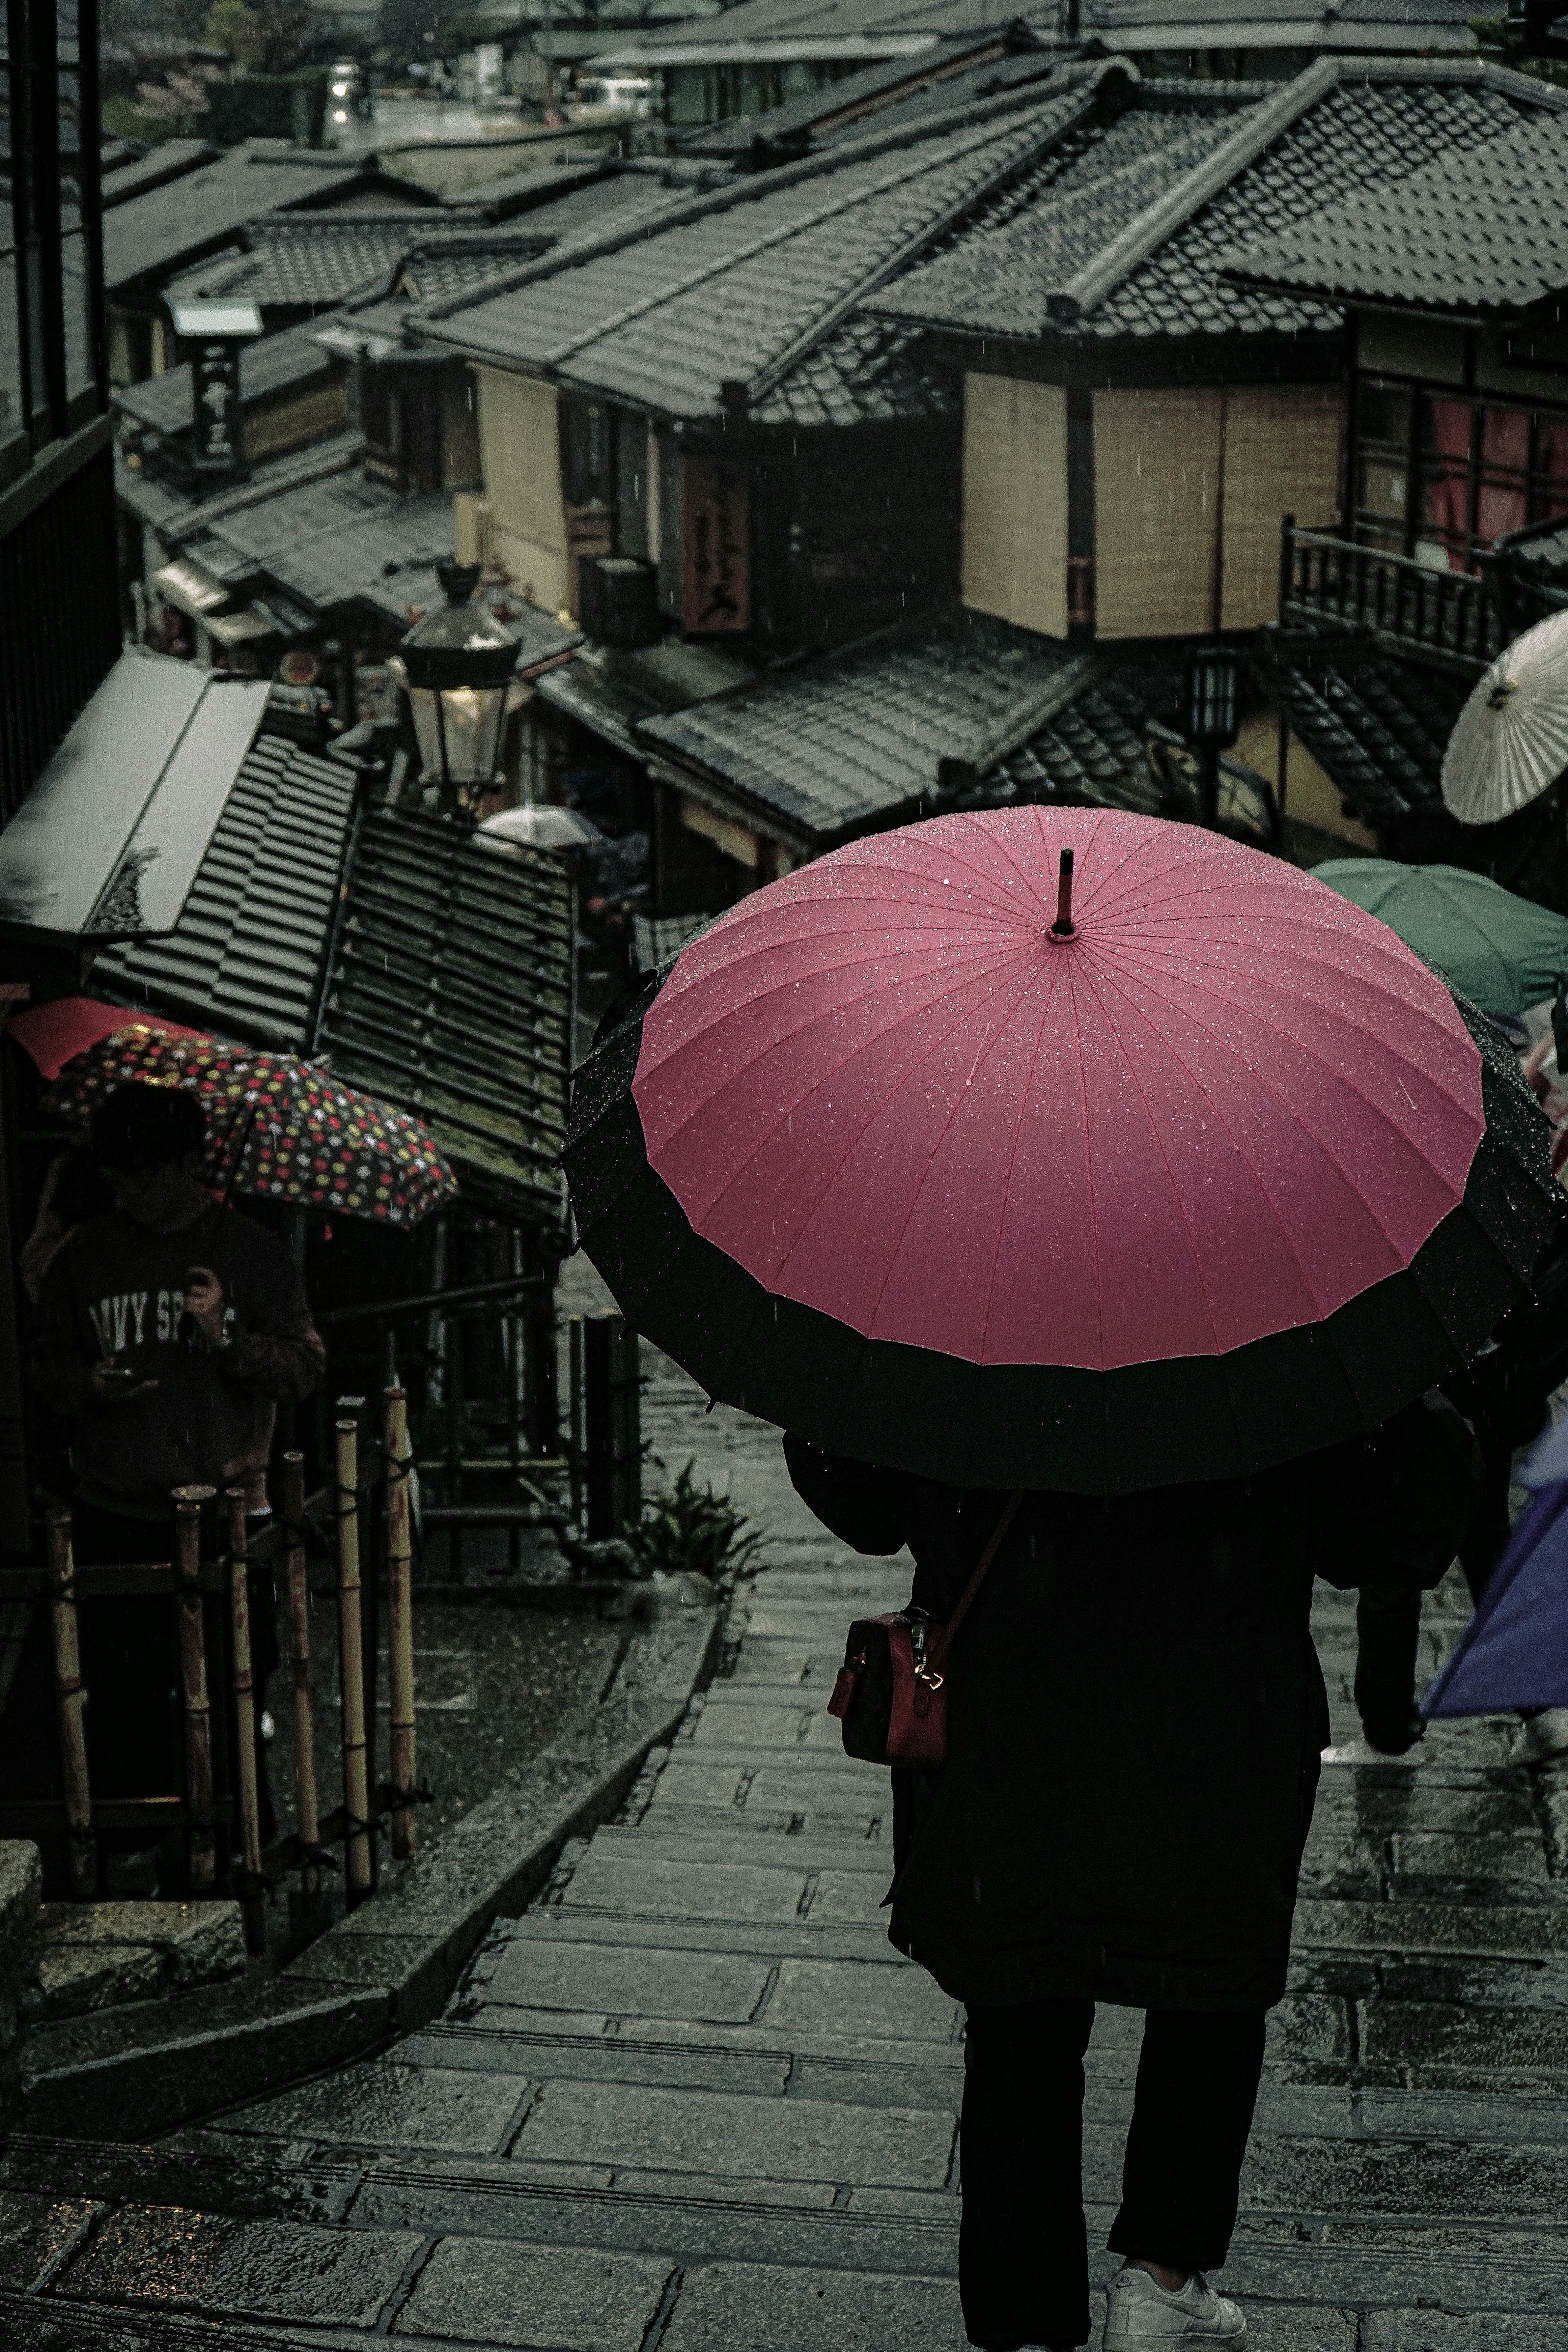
[(1510, 741), (546, 827)]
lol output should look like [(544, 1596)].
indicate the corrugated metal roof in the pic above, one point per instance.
[(450, 995), (247, 956)]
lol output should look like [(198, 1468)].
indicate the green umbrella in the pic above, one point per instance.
[(1502, 952)]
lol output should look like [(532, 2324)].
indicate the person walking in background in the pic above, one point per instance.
[(1135, 1717), (169, 1330), (1503, 1393)]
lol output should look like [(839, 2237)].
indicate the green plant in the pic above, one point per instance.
[(687, 1528)]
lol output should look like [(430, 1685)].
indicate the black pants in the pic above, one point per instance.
[(1022, 2265), (1388, 1633)]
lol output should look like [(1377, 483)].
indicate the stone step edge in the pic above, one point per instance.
[(69, 2082)]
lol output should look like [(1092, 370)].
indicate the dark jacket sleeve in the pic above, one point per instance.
[(277, 1351), (62, 1365), (856, 1500), (1406, 1500)]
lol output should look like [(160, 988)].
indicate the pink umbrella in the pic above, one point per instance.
[(1203, 1172)]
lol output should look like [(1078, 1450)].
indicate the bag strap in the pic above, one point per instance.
[(942, 1641)]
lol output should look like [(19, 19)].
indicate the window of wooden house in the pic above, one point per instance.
[(1442, 475)]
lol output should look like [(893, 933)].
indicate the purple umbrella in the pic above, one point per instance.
[(1513, 1654)]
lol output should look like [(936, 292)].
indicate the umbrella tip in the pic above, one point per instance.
[(1062, 929)]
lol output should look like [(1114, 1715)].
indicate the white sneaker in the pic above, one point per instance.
[(1139, 2311), (1360, 1750), (1544, 1735)]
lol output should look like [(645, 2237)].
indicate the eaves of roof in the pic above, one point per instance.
[(856, 739), (972, 142), (275, 363), (1035, 279), (1478, 236)]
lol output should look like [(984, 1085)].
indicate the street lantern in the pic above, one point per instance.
[(1211, 690), (456, 665)]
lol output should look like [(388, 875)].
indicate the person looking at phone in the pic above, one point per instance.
[(170, 1329)]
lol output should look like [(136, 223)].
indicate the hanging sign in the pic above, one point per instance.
[(715, 545), (215, 413)]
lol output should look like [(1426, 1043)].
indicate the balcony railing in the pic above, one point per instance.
[(1455, 615)]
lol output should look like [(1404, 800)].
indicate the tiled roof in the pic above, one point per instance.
[(1378, 726), (170, 161), (247, 955), (1471, 232), (450, 995), (796, 20), (856, 739), (274, 363), (1541, 554), (1140, 252), (755, 278), (891, 89), (846, 743), (176, 514), (149, 236), (313, 259)]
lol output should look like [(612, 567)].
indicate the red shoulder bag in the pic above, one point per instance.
[(891, 1691)]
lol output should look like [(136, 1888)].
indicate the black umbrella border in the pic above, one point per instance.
[(1064, 1429)]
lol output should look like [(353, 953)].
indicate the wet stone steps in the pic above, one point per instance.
[(692, 2101)]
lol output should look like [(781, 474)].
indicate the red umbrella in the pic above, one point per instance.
[(277, 1126), (1216, 1174)]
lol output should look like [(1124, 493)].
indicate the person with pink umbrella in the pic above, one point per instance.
[(1097, 1205)]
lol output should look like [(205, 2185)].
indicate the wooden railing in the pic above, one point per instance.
[(1408, 606)]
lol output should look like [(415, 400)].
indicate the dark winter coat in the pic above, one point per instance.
[(1135, 1711)]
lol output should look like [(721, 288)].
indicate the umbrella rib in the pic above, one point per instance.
[(983, 1055), (1088, 1175), (1297, 1121), (1194, 986), (1013, 1155), (703, 1035), (1225, 1126), (865, 1127)]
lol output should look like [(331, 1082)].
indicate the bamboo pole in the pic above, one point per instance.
[(70, 1698), (188, 1501), (351, 1668), (400, 1603), (250, 1901), (306, 1807)]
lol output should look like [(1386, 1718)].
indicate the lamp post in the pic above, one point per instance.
[(1211, 687), (456, 665)]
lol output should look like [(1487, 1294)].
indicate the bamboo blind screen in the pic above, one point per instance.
[(1015, 501), (1281, 457), (520, 449), (1156, 512)]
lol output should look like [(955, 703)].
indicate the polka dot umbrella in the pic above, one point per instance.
[(276, 1125)]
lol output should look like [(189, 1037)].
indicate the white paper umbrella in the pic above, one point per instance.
[(542, 827), (1510, 740)]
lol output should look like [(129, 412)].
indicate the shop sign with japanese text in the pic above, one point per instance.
[(715, 550)]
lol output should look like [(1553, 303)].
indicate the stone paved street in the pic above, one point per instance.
[(692, 2099)]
